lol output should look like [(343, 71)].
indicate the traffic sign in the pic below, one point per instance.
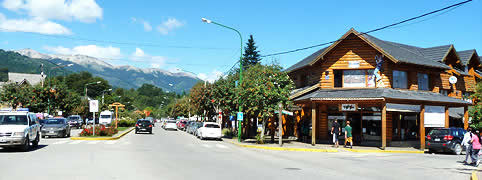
[(94, 105), (240, 116)]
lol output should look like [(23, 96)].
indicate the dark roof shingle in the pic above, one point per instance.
[(465, 56)]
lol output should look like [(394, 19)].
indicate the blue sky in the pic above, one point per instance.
[(170, 34)]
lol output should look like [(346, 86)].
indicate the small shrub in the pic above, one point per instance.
[(99, 131), (126, 123), (259, 139), (227, 132)]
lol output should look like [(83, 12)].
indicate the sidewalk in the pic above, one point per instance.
[(293, 145)]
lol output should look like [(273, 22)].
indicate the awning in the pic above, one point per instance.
[(403, 107)]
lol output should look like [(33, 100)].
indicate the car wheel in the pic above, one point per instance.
[(43, 137), (26, 145), (36, 141), (136, 132), (457, 149)]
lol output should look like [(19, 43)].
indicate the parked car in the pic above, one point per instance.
[(209, 130), (194, 127), (191, 127), (446, 140), (181, 125), (75, 121), (19, 129), (170, 124), (143, 125), (57, 127)]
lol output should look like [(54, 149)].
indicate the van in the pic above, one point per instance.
[(105, 117)]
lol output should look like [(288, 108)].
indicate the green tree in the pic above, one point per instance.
[(201, 99), (476, 111), (251, 56)]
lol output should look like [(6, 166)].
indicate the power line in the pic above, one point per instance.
[(374, 30)]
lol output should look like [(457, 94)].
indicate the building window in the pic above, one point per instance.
[(444, 92), (354, 78), (423, 82), (400, 79), (338, 74)]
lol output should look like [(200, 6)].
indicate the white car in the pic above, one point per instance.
[(170, 124), (209, 130), (19, 129)]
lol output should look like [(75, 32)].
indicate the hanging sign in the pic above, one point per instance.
[(353, 64), (452, 79), (348, 107)]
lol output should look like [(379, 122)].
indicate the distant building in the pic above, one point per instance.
[(23, 78)]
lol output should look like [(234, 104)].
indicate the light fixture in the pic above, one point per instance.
[(206, 20)]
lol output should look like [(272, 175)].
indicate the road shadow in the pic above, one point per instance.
[(17, 150)]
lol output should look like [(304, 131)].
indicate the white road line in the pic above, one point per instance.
[(206, 146), (221, 146), (92, 142), (76, 142), (111, 142), (60, 142)]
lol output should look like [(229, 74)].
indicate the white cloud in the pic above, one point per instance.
[(81, 10), (169, 25), (210, 77), (146, 24), (35, 25), (155, 61), (107, 52)]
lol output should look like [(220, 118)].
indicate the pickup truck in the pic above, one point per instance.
[(18, 129)]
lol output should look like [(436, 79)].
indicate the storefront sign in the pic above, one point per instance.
[(348, 107), (434, 116), (353, 64), (403, 107)]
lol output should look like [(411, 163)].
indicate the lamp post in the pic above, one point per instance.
[(50, 87), (240, 66), (103, 92), (85, 86)]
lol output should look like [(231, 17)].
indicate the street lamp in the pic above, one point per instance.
[(103, 92), (85, 86), (51, 69), (240, 66)]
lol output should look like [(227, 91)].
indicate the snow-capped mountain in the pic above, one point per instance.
[(121, 76)]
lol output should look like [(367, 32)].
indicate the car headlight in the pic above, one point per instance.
[(19, 134)]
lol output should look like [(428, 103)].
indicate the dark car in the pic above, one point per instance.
[(57, 127), (42, 122), (446, 140), (143, 125), (75, 121)]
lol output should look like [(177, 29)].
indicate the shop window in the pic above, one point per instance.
[(354, 78), (423, 81), (400, 79), (338, 78)]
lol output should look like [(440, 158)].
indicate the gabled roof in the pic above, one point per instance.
[(431, 57), (465, 56)]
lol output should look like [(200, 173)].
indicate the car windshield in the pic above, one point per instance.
[(143, 122), (211, 126), (439, 132), (73, 118), (13, 120), (171, 121), (55, 121), (105, 116)]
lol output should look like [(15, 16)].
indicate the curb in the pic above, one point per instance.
[(284, 149), (474, 175), (103, 138), (382, 151)]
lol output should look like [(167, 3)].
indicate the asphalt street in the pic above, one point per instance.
[(178, 155)]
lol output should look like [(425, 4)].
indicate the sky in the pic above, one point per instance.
[(170, 34)]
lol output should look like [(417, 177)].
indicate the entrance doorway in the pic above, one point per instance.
[(356, 124)]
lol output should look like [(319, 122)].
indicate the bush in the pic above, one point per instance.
[(99, 131), (126, 123), (227, 132), (259, 139)]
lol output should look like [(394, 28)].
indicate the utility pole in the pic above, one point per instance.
[(280, 124)]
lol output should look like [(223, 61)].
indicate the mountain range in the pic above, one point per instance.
[(118, 76)]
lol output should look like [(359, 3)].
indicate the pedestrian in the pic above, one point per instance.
[(476, 148), (468, 145), (348, 135), (335, 131)]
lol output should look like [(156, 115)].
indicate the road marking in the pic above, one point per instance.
[(111, 142), (221, 146), (76, 142), (92, 142), (60, 142), (206, 146)]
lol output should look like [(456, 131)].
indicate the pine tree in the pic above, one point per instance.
[(251, 56)]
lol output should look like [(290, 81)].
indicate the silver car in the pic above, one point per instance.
[(57, 127)]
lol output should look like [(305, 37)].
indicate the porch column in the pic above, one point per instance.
[(466, 117), (384, 125), (422, 127), (313, 123), (447, 117)]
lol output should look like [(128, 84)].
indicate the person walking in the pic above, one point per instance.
[(476, 148), (335, 131), (348, 135), (468, 145)]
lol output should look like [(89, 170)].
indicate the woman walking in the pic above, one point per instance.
[(475, 148)]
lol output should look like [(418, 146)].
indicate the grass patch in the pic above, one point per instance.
[(122, 128)]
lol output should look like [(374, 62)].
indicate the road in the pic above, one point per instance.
[(177, 155)]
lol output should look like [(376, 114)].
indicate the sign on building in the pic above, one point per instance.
[(434, 116), (348, 107)]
